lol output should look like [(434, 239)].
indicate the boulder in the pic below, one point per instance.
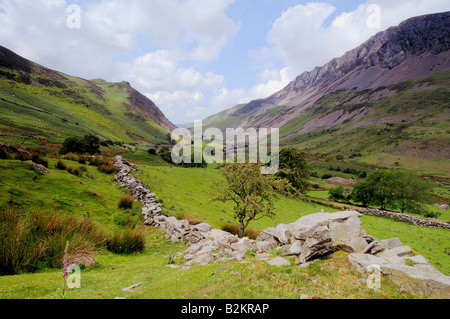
[(401, 251), (203, 227), (264, 246), (362, 262), (295, 248), (318, 244), (422, 279), (347, 235), (307, 225), (279, 262), (420, 260), (391, 243)]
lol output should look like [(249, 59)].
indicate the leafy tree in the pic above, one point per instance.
[(410, 191), (363, 193), (89, 144), (252, 193), (294, 167), (337, 194)]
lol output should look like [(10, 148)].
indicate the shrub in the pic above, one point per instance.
[(127, 241), (82, 160), (3, 154), (152, 151), (77, 171), (38, 159), (32, 241), (126, 201), (234, 229), (326, 176), (96, 160), (89, 144), (61, 165), (107, 168)]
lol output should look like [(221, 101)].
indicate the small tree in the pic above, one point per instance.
[(337, 194), (410, 191), (294, 167), (252, 193)]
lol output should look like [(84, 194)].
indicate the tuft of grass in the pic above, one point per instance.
[(77, 171), (107, 168), (251, 233), (126, 201), (127, 241), (37, 240), (3, 154), (61, 165)]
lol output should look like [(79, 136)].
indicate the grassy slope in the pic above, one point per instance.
[(416, 139), (87, 107)]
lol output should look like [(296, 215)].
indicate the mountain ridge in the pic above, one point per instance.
[(417, 47), (89, 106)]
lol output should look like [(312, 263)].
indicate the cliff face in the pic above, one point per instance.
[(417, 47)]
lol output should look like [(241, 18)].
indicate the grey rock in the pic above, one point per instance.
[(318, 244), (391, 243), (363, 261), (420, 260), (401, 251), (203, 227), (279, 261), (391, 257), (347, 235)]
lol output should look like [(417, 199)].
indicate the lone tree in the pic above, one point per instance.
[(252, 193), (294, 167)]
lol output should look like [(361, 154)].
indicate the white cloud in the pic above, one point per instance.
[(301, 38)]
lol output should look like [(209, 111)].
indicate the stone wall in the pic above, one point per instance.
[(405, 217)]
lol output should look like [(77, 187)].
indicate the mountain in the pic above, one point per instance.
[(398, 80), (37, 101)]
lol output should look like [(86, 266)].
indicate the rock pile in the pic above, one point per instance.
[(309, 238)]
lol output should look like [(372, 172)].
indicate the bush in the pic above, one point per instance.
[(126, 241), (126, 201), (32, 241), (337, 194), (107, 168), (82, 160), (3, 154), (326, 176), (234, 229), (77, 171), (61, 165), (38, 159), (90, 144), (152, 151)]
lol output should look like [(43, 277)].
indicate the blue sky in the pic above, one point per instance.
[(194, 58)]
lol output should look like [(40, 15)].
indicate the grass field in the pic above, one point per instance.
[(187, 192)]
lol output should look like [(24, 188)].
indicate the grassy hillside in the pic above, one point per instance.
[(38, 102), (406, 128)]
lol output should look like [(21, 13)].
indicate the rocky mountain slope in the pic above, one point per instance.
[(397, 78), (39, 101)]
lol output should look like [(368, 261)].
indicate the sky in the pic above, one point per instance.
[(195, 58)]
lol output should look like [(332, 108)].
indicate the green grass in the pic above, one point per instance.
[(187, 191), (257, 280)]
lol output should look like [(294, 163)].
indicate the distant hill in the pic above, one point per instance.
[(384, 102), (36, 100)]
